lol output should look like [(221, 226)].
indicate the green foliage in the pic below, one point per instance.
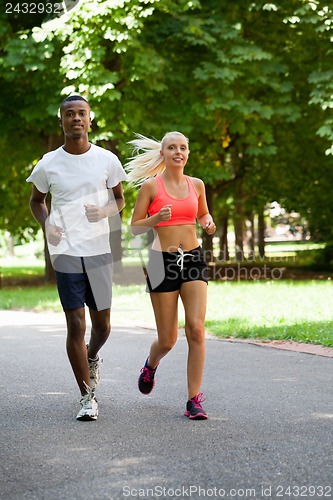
[(323, 259), (249, 82)]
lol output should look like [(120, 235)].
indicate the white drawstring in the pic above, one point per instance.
[(180, 260)]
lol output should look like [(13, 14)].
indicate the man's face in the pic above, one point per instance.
[(75, 119)]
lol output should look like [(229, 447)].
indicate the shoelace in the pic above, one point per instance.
[(198, 399), (147, 374), (90, 393), (94, 366), (180, 260)]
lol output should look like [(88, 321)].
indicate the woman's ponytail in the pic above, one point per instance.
[(146, 160)]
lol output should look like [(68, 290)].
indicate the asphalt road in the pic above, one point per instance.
[(269, 435)]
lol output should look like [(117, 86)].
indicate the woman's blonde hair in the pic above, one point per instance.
[(146, 161)]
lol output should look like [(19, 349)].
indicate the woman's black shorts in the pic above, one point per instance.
[(167, 271)]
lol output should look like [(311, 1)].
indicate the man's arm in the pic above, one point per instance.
[(41, 213), (119, 199), (115, 205), (38, 206)]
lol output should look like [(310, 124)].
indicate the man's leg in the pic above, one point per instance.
[(76, 347), (100, 331), (98, 298)]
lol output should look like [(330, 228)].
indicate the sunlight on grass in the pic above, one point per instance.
[(269, 310), (272, 310), (38, 299)]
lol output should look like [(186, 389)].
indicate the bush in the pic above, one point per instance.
[(323, 259)]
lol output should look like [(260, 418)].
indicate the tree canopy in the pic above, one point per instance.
[(249, 82)]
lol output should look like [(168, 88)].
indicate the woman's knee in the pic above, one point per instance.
[(167, 344), (195, 332)]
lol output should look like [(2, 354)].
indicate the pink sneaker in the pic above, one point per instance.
[(146, 380), (194, 409)]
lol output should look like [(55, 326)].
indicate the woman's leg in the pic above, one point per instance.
[(194, 298), (165, 307)]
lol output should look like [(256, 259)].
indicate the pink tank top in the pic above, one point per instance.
[(183, 210)]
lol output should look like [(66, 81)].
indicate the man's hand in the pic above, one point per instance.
[(94, 213), (53, 234)]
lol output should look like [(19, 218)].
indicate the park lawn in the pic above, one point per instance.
[(268, 310), (26, 271), (272, 310), (38, 299)]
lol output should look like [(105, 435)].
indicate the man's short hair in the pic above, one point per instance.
[(73, 98)]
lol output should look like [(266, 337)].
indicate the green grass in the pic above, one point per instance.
[(274, 310), (39, 299), (269, 310), (20, 271)]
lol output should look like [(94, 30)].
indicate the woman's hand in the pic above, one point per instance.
[(209, 226), (165, 213)]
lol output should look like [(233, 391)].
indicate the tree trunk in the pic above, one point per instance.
[(10, 244), (207, 240), (52, 142), (224, 249), (261, 234), (251, 243), (239, 223)]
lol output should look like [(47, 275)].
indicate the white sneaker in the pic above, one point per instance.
[(89, 406), (94, 372), (94, 365)]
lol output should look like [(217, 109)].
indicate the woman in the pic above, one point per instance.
[(173, 202)]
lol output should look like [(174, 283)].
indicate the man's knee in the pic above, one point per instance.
[(101, 322), (76, 323)]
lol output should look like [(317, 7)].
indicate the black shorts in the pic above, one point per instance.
[(84, 280), (167, 271)]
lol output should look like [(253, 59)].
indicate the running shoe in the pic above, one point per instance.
[(194, 410), (94, 366), (146, 380), (89, 406)]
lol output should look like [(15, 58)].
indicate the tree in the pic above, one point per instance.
[(233, 76)]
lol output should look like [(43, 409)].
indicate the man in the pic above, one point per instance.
[(84, 181)]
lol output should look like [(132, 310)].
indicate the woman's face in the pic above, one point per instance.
[(175, 150)]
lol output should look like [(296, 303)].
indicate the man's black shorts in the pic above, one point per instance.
[(167, 271), (84, 280)]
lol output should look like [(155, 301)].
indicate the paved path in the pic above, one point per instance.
[(270, 426), (289, 345)]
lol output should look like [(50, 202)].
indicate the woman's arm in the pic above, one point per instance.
[(140, 223), (204, 217)]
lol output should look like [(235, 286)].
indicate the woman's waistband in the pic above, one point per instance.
[(194, 251)]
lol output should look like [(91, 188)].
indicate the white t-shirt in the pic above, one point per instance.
[(74, 181)]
